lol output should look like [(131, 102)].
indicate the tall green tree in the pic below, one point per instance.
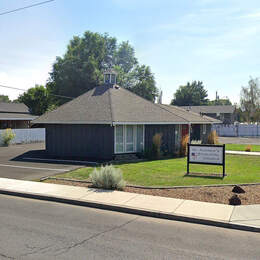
[(220, 102), (125, 57), (81, 68), (250, 100), (37, 99), (5, 99), (144, 83), (191, 94)]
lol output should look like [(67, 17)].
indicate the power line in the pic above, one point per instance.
[(26, 7), (3, 86)]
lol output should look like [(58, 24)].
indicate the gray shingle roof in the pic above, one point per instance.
[(112, 104), (191, 116), (211, 109), (16, 116), (13, 108)]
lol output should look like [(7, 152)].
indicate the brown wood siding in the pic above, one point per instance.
[(84, 141), (168, 136)]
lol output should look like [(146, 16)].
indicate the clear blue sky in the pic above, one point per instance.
[(216, 41)]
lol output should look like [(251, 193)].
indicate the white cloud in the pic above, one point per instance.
[(254, 15)]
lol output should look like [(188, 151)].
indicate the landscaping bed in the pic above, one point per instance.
[(162, 174), (172, 172), (220, 194)]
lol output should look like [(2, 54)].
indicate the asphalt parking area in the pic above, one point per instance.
[(27, 170), (239, 140)]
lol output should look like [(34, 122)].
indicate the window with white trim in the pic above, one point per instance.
[(119, 139), (129, 138)]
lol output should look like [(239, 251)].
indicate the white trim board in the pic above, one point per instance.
[(17, 119), (121, 123)]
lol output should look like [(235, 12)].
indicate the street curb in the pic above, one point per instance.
[(131, 210)]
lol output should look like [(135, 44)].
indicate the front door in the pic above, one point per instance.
[(184, 130), (195, 132)]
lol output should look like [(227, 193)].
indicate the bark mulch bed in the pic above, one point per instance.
[(208, 194)]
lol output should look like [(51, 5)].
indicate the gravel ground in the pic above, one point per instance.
[(207, 194)]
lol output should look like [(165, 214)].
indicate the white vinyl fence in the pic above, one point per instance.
[(28, 135), (248, 130)]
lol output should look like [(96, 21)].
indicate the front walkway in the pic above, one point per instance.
[(240, 217)]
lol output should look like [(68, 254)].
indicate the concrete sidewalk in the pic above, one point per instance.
[(237, 217), (243, 153)]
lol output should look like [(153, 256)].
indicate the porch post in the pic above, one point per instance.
[(189, 126)]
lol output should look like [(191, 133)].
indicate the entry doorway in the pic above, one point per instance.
[(195, 132), (184, 130)]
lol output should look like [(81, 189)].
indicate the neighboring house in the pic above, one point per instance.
[(14, 115), (223, 113), (109, 120)]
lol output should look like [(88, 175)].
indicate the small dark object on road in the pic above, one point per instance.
[(238, 189), (234, 200)]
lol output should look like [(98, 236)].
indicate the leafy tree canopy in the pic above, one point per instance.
[(191, 94), (36, 99), (250, 100), (219, 102), (81, 68), (4, 98)]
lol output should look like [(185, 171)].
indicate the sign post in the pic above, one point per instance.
[(206, 154)]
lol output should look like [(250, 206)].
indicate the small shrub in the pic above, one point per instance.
[(156, 148), (235, 200), (196, 142), (108, 177), (213, 137), (7, 136), (238, 189), (248, 148), (184, 146)]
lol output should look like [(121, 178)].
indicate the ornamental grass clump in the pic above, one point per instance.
[(196, 142), (184, 146), (157, 143), (213, 137), (107, 177), (248, 148), (7, 136)]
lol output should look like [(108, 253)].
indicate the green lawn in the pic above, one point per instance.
[(242, 147), (171, 172)]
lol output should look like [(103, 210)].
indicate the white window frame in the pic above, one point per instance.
[(124, 138), (134, 139)]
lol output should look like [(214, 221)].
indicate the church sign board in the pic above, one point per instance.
[(206, 154)]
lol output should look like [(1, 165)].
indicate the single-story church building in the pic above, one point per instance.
[(109, 120), (15, 115)]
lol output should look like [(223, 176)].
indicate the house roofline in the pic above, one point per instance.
[(121, 123), (16, 119)]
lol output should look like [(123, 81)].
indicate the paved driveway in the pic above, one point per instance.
[(239, 140), (12, 168)]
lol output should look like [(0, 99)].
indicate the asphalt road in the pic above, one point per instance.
[(32, 229), (11, 167)]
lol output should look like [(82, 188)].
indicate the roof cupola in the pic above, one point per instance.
[(110, 76)]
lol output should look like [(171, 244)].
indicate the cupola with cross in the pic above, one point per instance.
[(110, 76)]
